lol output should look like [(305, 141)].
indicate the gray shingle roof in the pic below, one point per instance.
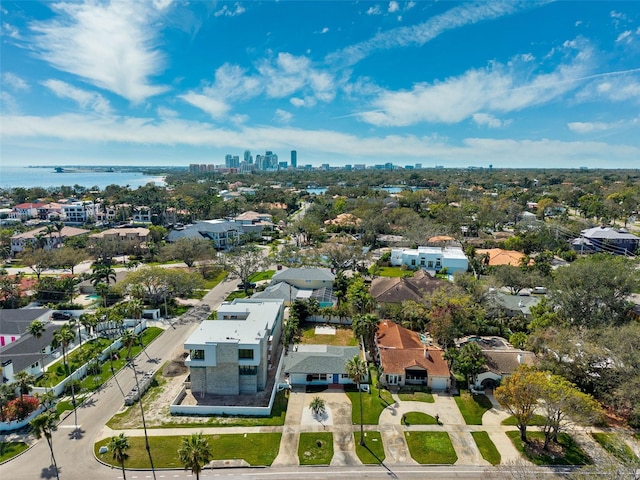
[(303, 274), (318, 359), (26, 350), (16, 321)]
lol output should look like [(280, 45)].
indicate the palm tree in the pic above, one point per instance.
[(24, 380), (44, 425), (318, 407), (365, 327), (59, 227), (103, 289), (63, 338), (37, 329), (129, 339), (356, 368), (195, 453), (102, 273), (119, 446)]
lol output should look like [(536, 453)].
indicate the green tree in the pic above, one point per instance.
[(242, 262), (43, 426), (356, 368), (190, 250), (102, 273), (594, 290), (561, 400), (318, 407), (365, 327), (38, 260), (7, 393), (195, 453), (519, 394), (36, 329), (25, 381), (119, 446), (470, 361)]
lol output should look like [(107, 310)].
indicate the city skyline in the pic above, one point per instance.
[(508, 84)]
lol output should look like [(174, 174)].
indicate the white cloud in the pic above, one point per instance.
[(213, 106), (164, 112), (393, 7), (590, 127), (10, 31), (456, 17), (410, 5), (612, 86), (485, 119), (296, 102), (375, 10), (234, 11), (14, 82), (283, 116), (497, 88), (327, 143), (324, 30), (111, 45), (87, 100), (618, 15), (625, 37)]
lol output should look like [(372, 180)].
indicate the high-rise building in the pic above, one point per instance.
[(247, 157), (294, 159)]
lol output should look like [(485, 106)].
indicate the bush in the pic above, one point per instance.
[(69, 306), (20, 409)]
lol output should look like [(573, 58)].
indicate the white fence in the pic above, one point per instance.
[(16, 425), (194, 410)]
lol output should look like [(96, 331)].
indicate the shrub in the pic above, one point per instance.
[(20, 409)]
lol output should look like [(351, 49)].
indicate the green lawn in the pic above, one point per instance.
[(571, 454), (343, 337), (430, 448), (394, 272), (315, 448), (536, 421), (266, 275), (418, 418), (237, 294), (210, 283), (487, 448), (472, 407), (407, 395), (613, 444), (56, 371), (371, 403), (373, 451), (11, 449), (258, 449)]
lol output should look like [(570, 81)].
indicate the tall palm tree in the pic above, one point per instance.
[(24, 381), (62, 338), (44, 425), (102, 273), (119, 446), (37, 329), (59, 227), (195, 453), (356, 368), (129, 339), (365, 327)]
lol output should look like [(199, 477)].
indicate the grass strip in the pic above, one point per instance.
[(11, 449), (613, 444), (487, 448), (431, 448), (472, 407), (257, 449), (372, 453), (315, 448), (565, 452)]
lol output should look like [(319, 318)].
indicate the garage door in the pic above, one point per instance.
[(438, 383)]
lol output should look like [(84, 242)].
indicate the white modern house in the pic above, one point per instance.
[(232, 355), (431, 258)]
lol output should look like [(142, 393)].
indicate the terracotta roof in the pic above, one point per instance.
[(498, 256), (401, 349), (396, 289)]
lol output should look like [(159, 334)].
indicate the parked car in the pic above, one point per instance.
[(61, 316), (249, 285), (476, 391)]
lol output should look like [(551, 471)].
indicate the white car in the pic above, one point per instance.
[(477, 391)]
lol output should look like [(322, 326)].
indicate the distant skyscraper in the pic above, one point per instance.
[(247, 157), (294, 159)]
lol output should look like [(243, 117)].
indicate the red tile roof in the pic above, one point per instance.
[(401, 348)]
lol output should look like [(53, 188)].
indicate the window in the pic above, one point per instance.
[(422, 262), (248, 370), (245, 353), (413, 262), (319, 376), (197, 354), (430, 263)]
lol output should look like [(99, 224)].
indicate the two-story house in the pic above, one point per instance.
[(433, 259)]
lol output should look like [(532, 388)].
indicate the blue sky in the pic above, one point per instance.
[(512, 84)]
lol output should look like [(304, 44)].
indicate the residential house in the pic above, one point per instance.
[(319, 364), (502, 359), (79, 212), (606, 239), (26, 211), (233, 354), (408, 358), (401, 289), (434, 259), (27, 354), (514, 305), (125, 238), (301, 284), (305, 278), (14, 322), (141, 214), (50, 212), (222, 233), (20, 241), (499, 256)]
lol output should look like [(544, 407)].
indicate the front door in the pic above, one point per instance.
[(392, 379), (336, 378)]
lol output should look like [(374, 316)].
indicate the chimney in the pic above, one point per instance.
[(426, 352), (520, 358)]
